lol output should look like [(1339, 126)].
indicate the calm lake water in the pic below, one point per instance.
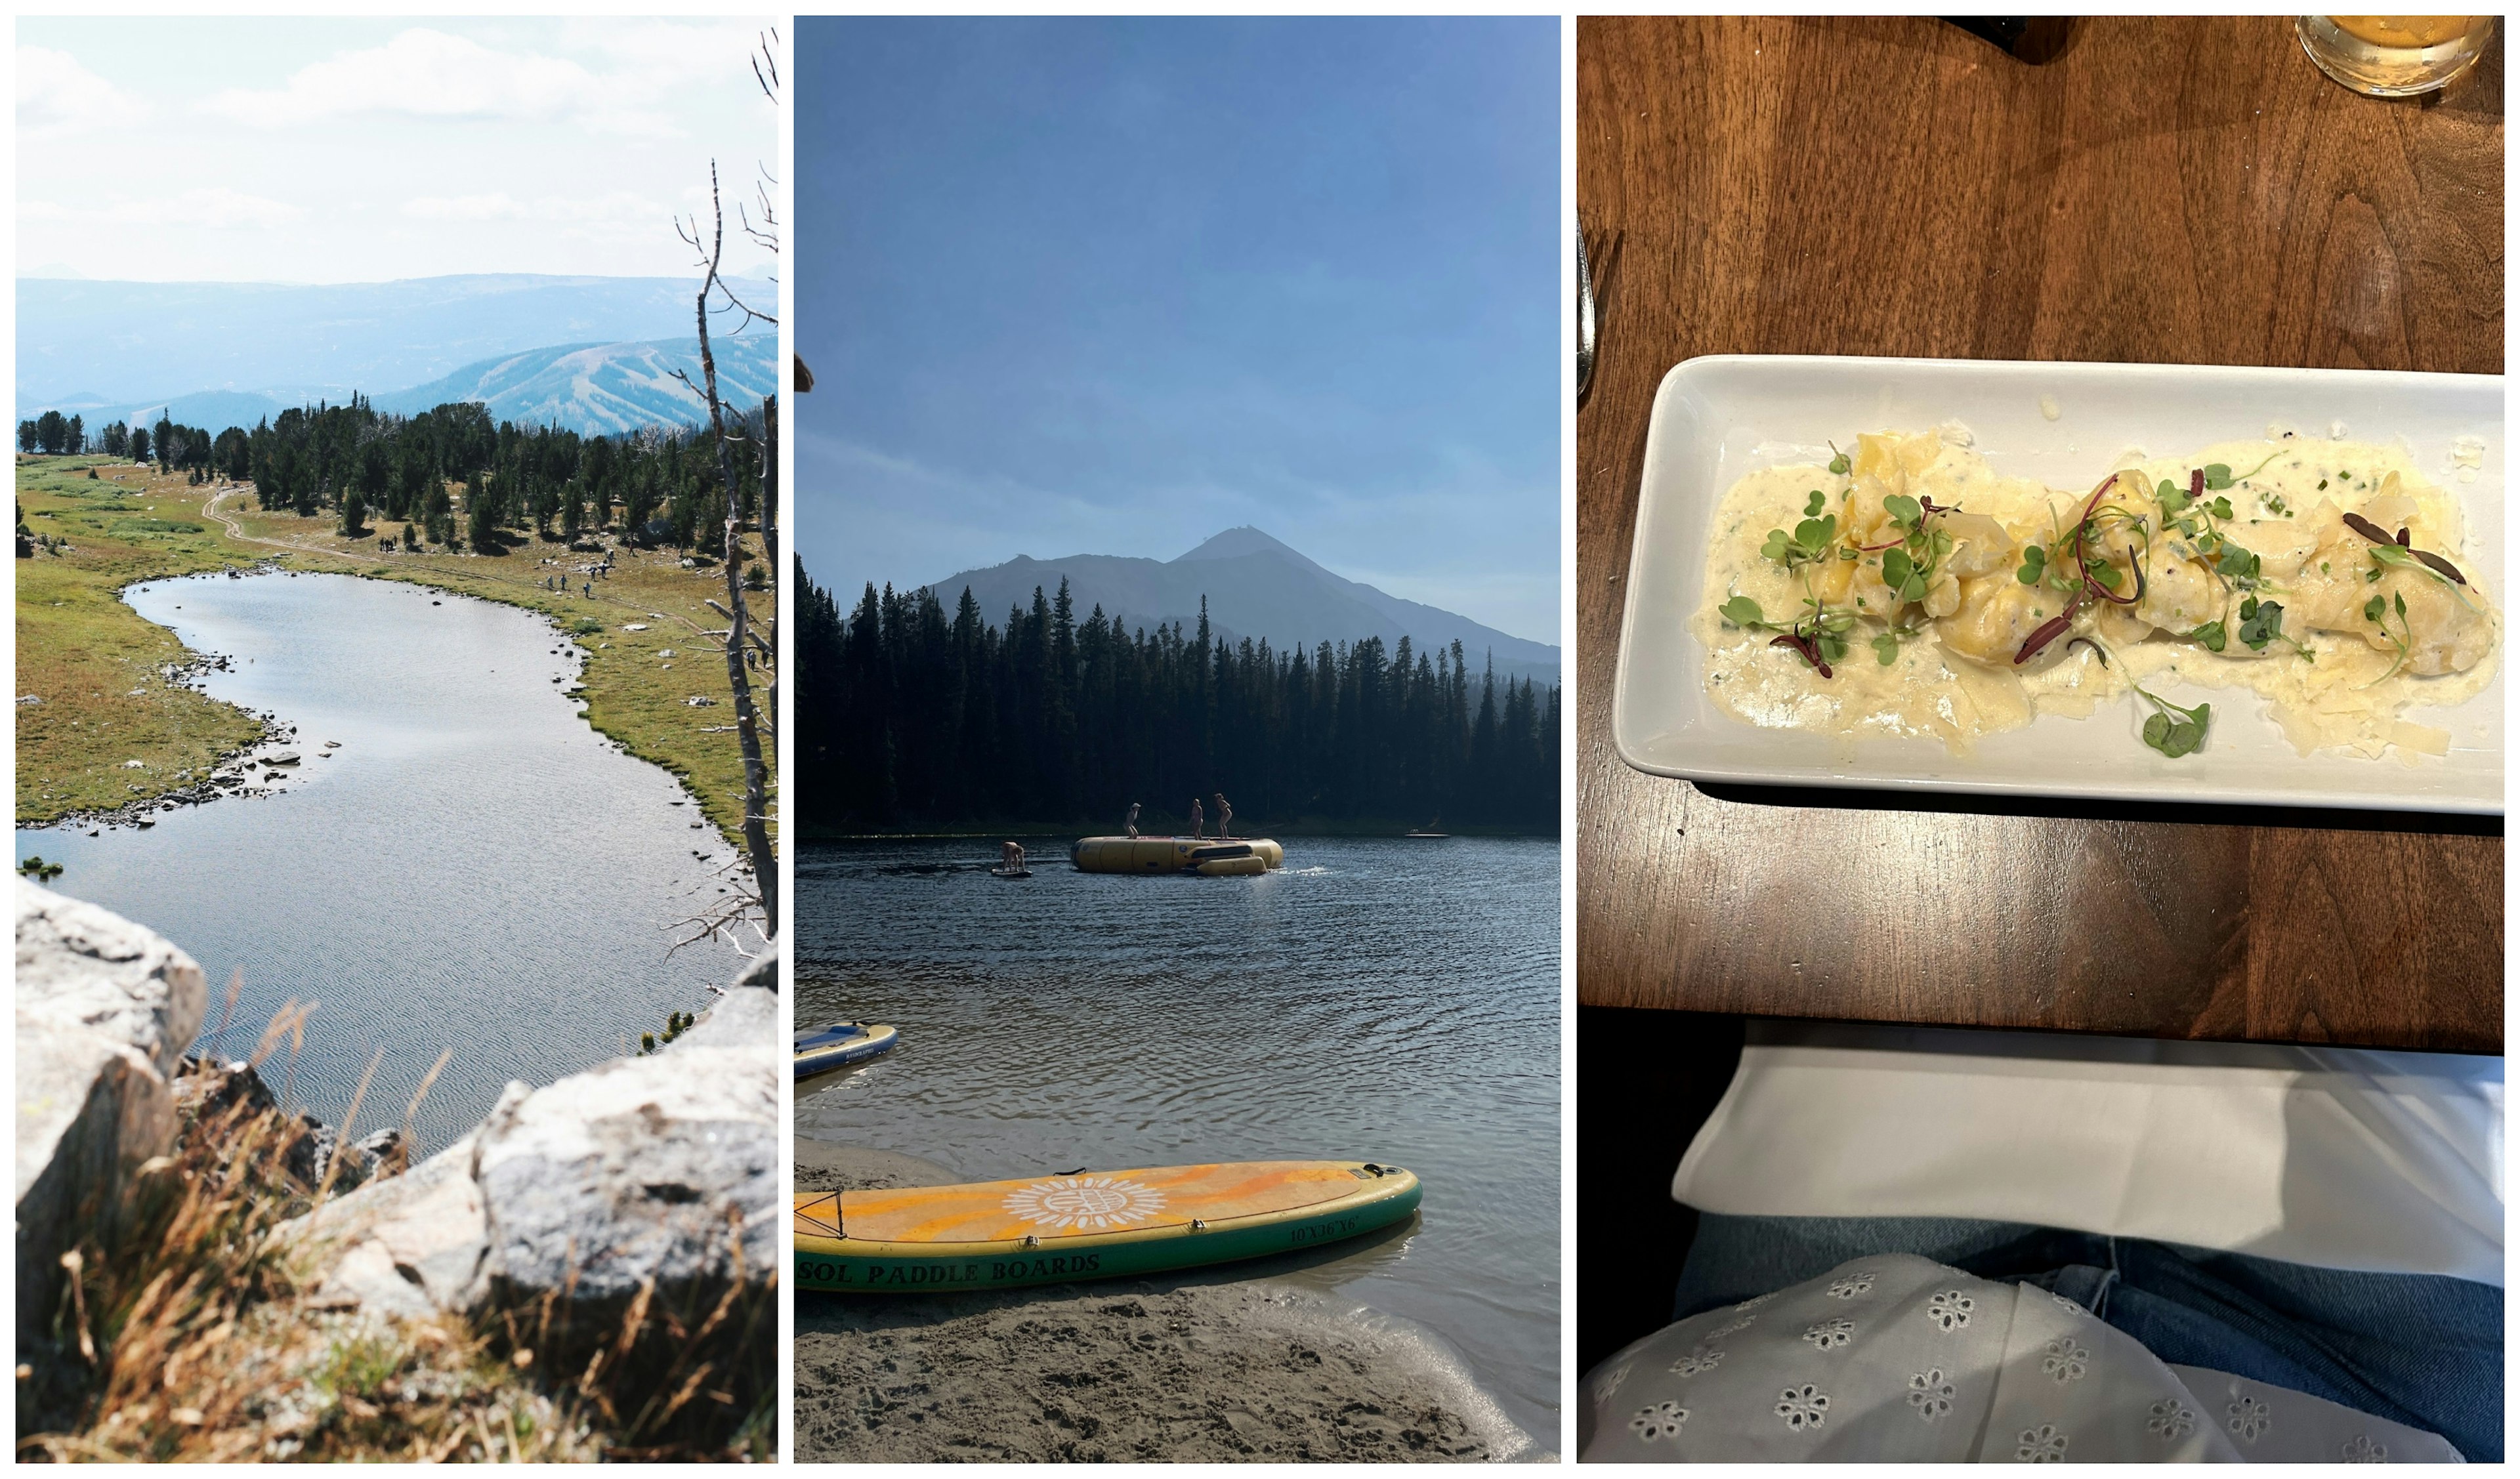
[(474, 869), (1375, 1000)]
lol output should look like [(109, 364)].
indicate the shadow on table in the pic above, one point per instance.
[(2187, 814)]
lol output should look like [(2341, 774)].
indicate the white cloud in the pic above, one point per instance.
[(425, 73), (619, 205), (429, 73), (231, 207), (213, 208), (57, 96), (501, 206), (651, 56)]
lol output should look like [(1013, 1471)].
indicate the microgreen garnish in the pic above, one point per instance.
[(2401, 551), (1841, 464), (2174, 738), (2218, 477), (2260, 468), (2211, 635), (2261, 623), (2230, 560), (2376, 611), (1886, 648), (1818, 501), (1809, 541), (2034, 565), (1821, 637)]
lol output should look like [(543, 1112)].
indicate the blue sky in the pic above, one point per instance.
[(313, 149), (1110, 286)]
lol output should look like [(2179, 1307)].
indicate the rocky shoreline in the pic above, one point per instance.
[(272, 752), (231, 772)]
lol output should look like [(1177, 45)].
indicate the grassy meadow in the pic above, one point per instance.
[(94, 664)]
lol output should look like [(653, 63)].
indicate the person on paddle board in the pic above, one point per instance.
[(1197, 827), (1132, 824), (1224, 817), (1011, 857)]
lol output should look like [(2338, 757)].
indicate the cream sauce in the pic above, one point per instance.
[(2327, 680)]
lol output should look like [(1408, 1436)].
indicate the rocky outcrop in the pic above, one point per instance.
[(104, 1012), (311, 1150), (660, 1171)]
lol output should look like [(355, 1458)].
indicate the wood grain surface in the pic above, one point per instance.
[(2161, 190)]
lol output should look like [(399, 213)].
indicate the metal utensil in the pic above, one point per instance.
[(1584, 329)]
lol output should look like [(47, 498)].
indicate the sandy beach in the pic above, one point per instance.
[(1210, 1364)]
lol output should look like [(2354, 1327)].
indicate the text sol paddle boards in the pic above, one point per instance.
[(1097, 1224)]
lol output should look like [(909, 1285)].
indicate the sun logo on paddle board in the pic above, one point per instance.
[(1085, 1201)]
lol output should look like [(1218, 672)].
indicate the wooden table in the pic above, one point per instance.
[(2186, 191)]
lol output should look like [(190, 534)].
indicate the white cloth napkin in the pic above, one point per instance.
[(2339, 1158)]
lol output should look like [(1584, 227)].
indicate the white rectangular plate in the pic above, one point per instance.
[(1717, 418)]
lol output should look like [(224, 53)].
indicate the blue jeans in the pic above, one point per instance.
[(2418, 1349)]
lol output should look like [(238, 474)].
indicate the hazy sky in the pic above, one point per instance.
[(326, 150), (1111, 286)]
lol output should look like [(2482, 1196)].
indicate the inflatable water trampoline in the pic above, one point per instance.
[(1240, 857)]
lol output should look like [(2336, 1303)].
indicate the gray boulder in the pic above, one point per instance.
[(665, 1168), (104, 1012), (662, 1169)]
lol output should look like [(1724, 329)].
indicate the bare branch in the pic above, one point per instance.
[(767, 57)]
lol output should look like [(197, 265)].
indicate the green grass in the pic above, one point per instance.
[(75, 637), (91, 660)]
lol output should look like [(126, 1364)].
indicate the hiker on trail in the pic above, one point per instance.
[(1197, 827), (1132, 824), (589, 590), (1224, 816)]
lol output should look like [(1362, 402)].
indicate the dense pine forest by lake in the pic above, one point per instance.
[(915, 720)]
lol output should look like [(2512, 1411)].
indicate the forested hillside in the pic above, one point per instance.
[(910, 718)]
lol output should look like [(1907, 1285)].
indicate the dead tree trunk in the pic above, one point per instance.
[(748, 722)]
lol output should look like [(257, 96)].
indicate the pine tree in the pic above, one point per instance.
[(481, 515), (437, 513)]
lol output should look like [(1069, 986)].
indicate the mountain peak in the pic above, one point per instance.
[(1236, 542), (1288, 601)]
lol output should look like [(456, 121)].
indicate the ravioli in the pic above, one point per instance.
[(1909, 590)]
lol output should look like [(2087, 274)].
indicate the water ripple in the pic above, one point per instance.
[(1380, 999)]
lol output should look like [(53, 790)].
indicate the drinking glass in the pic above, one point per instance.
[(2393, 56)]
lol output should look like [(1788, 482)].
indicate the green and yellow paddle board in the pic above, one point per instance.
[(1097, 1224)]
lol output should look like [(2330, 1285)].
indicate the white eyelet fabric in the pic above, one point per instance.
[(1896, 1358)]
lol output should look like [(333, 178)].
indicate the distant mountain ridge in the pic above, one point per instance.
[(1256, 587), (596, 388), (121, 343), (593, 389)]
